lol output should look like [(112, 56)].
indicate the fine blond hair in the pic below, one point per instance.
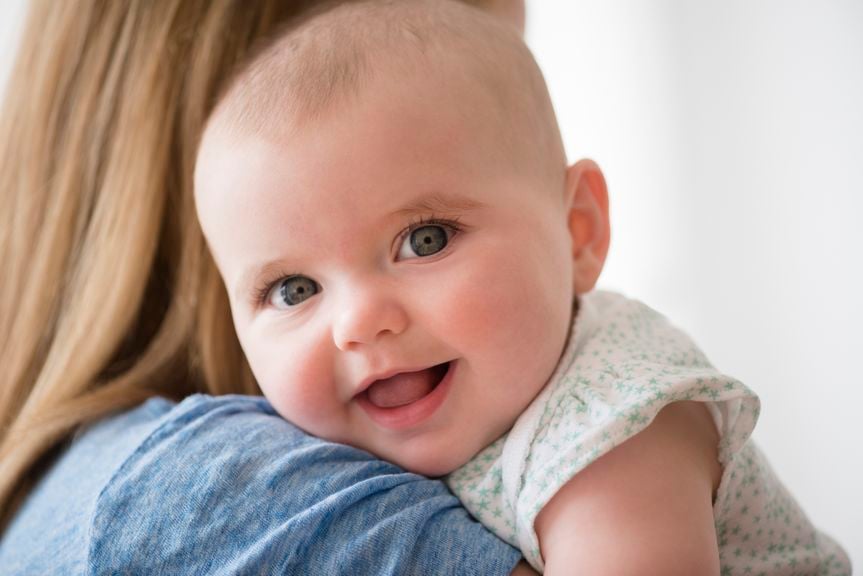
[(326, 58), (109, 295)]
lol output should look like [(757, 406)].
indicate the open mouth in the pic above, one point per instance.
[(405, 387), (405, 400)]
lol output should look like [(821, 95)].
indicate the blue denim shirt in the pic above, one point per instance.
[(225, 486)]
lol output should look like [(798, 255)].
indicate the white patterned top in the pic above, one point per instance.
[(623, 363)]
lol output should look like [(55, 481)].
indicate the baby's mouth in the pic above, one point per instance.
[(406, 387)]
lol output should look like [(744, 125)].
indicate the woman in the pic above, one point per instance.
[(110, 304)]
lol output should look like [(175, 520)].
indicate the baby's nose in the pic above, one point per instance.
[(365, 314)]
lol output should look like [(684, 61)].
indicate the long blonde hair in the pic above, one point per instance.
[(108, 293)]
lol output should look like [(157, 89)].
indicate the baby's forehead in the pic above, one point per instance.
[(326, 59), (323, 64)]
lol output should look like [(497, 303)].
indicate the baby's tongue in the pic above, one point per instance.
[(402, 388)]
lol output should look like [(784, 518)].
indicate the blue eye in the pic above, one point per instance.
[(292, 291), (424, 241)]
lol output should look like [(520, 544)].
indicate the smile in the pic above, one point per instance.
[(406, 399)]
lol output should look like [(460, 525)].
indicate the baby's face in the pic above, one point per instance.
[(394, 284)]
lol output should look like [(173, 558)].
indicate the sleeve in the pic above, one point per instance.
[(628, 363), (225, 486)]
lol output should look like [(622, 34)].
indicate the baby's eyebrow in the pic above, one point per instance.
[(439, 203)]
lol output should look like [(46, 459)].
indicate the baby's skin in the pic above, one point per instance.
[(402, 253)]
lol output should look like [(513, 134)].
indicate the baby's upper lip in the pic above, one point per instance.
[(368, 381)]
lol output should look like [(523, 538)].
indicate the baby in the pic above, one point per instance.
[(410, 265)]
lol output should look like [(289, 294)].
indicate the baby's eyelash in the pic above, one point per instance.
[(261, 291), (454, 224)]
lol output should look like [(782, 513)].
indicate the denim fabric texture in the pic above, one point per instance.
[(223, 485)]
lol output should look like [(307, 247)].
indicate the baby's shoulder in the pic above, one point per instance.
[(626, 363)]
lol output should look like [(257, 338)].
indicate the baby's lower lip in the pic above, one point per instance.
[(413, 413)]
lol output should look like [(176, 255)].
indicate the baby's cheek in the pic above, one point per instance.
[(509, 315), (296, 381), (479, 309)]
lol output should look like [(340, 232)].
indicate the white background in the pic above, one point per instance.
[(731, 135)]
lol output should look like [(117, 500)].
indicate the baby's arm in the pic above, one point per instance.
[(644, 508)]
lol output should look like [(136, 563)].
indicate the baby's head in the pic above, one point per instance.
[(387, 199)]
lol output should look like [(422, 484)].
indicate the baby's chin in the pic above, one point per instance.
[(430, 469), (438, 460)]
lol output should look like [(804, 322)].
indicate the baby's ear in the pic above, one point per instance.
[(589, 227)]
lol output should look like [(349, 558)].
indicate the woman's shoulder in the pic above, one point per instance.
[(58, 512), (225, 485), (156, 471), (215, 485)]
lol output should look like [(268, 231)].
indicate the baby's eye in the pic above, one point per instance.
[(424, 241), (293, 290)]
